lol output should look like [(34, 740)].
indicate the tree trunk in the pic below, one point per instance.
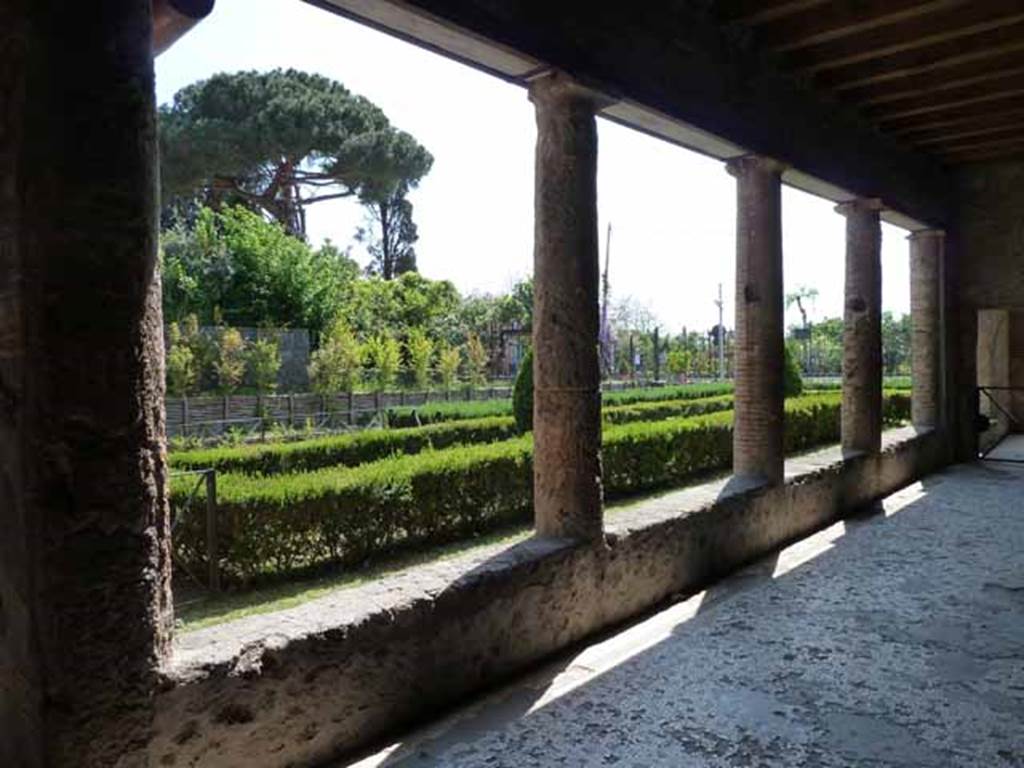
[(387, 265)]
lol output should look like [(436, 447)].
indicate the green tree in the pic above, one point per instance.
[(336, 365), (253, 272), (264, 360), (420, 350), (477, 358), (390, 235), (384, 356), (181, 364), (793, 385), (448, 361), (230, 365), (896, 342), (802, 297), (280, 141), (377, 306), (679, 360)]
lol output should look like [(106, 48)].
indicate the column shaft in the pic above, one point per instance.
[(862, 328), (926, 252), (84, 558), (759, 397), (567, 398)]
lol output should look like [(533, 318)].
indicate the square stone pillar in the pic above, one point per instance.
[(926, 254), (862, 328), (84, 541), (758, 452), (566, 368)]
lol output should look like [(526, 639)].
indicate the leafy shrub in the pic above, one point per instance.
[(791, 381), (181, 364), (230, 365), (522, 395), (336, 365), (264, 359), (347, 515), (448, 361), (420, 349), (476, 360), (385, 357)]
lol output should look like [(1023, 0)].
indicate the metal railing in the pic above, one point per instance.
[(990, 393)]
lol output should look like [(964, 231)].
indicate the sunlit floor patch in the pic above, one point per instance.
[(890, 640)]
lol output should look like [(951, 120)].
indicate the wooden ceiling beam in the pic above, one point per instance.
[(926, 106), (966, 117), (934, 30), (757, 12), (980, 145), (979, 155), (953, 135), (839, 20), (1002, 44), (935, 126), (926, 87)]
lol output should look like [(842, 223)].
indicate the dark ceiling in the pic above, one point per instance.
[(944, 75)]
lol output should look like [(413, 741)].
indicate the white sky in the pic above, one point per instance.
[(672, 210)]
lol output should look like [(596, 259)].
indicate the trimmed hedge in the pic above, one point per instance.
[(351, 450), (342, 450), (362, 447), (432, 413), (348, 515), (656, 411)]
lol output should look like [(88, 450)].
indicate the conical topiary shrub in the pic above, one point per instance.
[(522, 395)]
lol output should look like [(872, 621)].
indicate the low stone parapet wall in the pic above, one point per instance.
[(310, 684)]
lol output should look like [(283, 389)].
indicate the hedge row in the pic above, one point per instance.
[(432, 413), (353, 449), (349, 449), (359, 448), (348, 515)]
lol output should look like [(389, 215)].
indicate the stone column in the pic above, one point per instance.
[(862, 328), (926, 252), (759, 411), (566, 372), (84, 541)]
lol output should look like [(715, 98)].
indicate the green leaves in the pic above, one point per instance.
[(347, 515), (279, 141)]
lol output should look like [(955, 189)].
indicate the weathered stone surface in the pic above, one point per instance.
[(895, 639), (84, 559), (926, 253), (862, 327), (566, 369), (307, 684), (759, 348), (994, 371)]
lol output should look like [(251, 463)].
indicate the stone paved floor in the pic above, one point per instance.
[(895, 639), (1010, 448)]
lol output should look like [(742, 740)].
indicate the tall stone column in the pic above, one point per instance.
[(862, 328), (759, 398), (926, 253), (566, 372), (84, 560)]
